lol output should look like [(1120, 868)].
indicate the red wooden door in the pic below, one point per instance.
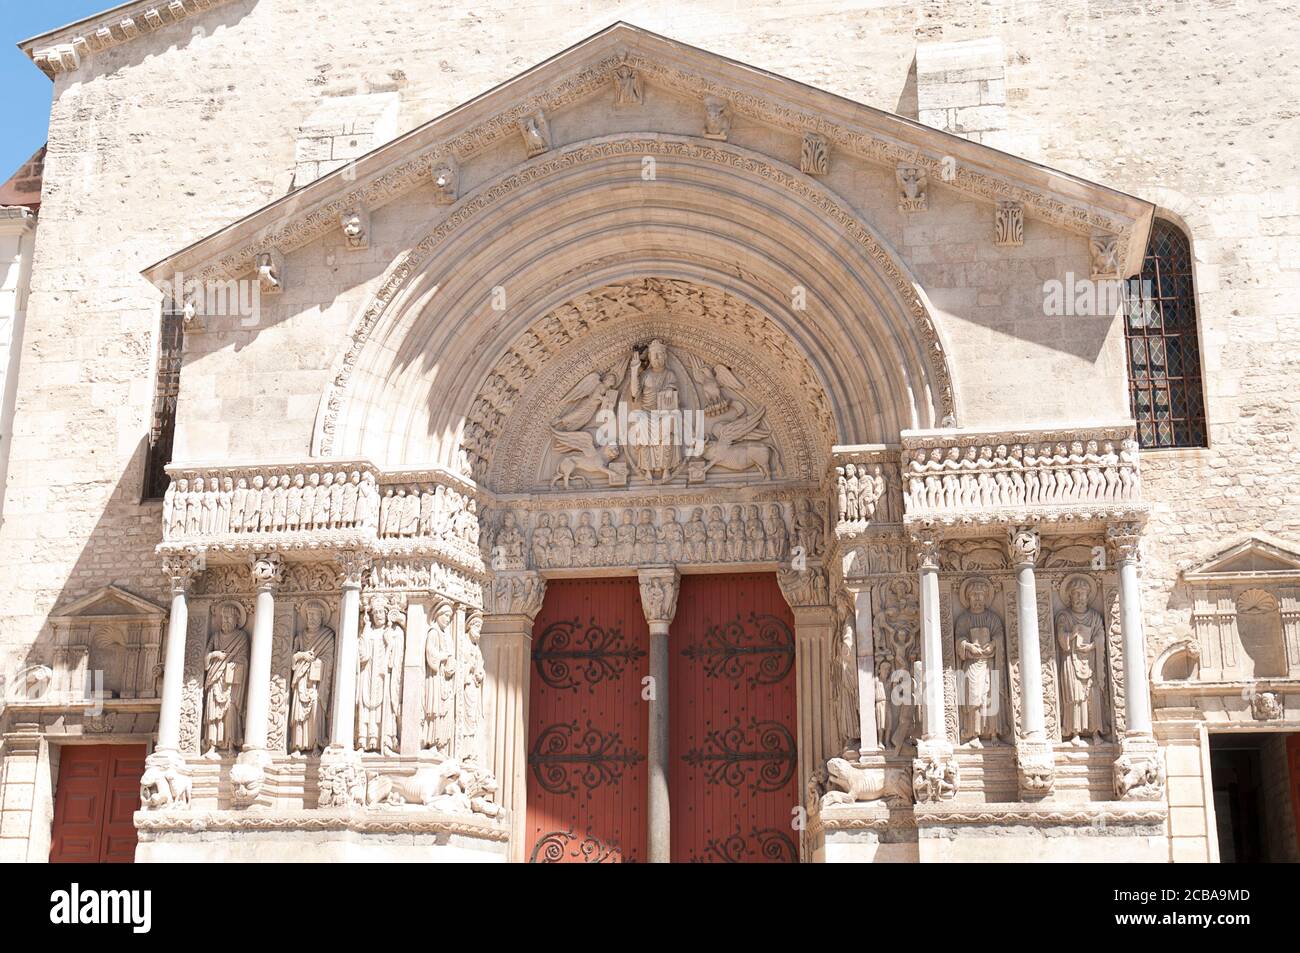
[(1293, 758), (732, 721), (97, 794), (586, 799)]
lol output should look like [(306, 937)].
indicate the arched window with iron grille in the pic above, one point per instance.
[(1164, 354)]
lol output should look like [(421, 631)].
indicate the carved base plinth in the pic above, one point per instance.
[(341, 778), (1139, 769), (248, 778), (934, 772), (1035, 769), (165, 784)]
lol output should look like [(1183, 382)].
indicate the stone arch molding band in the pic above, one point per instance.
[(752, 236)]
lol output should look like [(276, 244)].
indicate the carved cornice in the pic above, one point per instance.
[(356, 821), (63, 50), (941, 814)]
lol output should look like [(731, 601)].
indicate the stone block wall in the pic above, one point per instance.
[(157, 142)]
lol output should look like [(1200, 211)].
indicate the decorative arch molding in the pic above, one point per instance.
[(581, 218)]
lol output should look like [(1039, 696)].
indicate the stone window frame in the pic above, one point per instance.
[(1162, 429)]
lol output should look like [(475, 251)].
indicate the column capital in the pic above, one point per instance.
[(659, 587), (352, 565), (1123, 540), (803, 588), (180, 570), (267, 570), (925, 546), (515, 593), (1024, 543)]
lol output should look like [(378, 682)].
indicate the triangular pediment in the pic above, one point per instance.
[(109, 604), (577, 94), (1256, 556)]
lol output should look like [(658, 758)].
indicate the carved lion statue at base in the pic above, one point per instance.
[(857, 784), (164, 787)]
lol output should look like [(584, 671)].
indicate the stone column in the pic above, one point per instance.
[(934, 771), (808, 595), (248, 774), (1139, 770), (869, 740), (341, 778), (162, 786), (512, 602), (1035, 763), (180, 572), (659, 602)]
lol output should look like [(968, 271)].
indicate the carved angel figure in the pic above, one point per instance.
[(596, 394)]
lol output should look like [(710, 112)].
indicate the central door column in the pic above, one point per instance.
[(659, 588)]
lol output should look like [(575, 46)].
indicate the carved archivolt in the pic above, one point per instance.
[(929, 348)]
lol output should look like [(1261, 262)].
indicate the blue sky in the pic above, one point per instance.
[(25, 113)]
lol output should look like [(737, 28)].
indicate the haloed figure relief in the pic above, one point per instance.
[(1081, 635), (978, 631), (313, 666), (225, 679)]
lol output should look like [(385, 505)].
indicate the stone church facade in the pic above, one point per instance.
[(519, 437)]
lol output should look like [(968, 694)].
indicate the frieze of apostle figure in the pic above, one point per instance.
[(379, 678), (225, 680), (979, 634), (438, 729), (313, 666), (1081, 635), (657, 444)]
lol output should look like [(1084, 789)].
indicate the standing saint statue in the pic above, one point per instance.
[(1081, 633), (313, 665), (438, 729), (979, 634), (379, 679), (225, 679), (656, 448), (844, 683), (469, 706)]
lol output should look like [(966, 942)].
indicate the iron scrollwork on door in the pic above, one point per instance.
[(768, 844), (560, 762), (567, 655), (761, 653), (764, 749), (555, 846)]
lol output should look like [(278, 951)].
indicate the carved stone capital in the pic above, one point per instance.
[(803, 588), (181, 570), (267, 570), (352, 565), (659, 589), (1035, 768), (925, 546), (1139, 769), (515, 593), (935, 775), (1123, 540), (1023, 545)]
